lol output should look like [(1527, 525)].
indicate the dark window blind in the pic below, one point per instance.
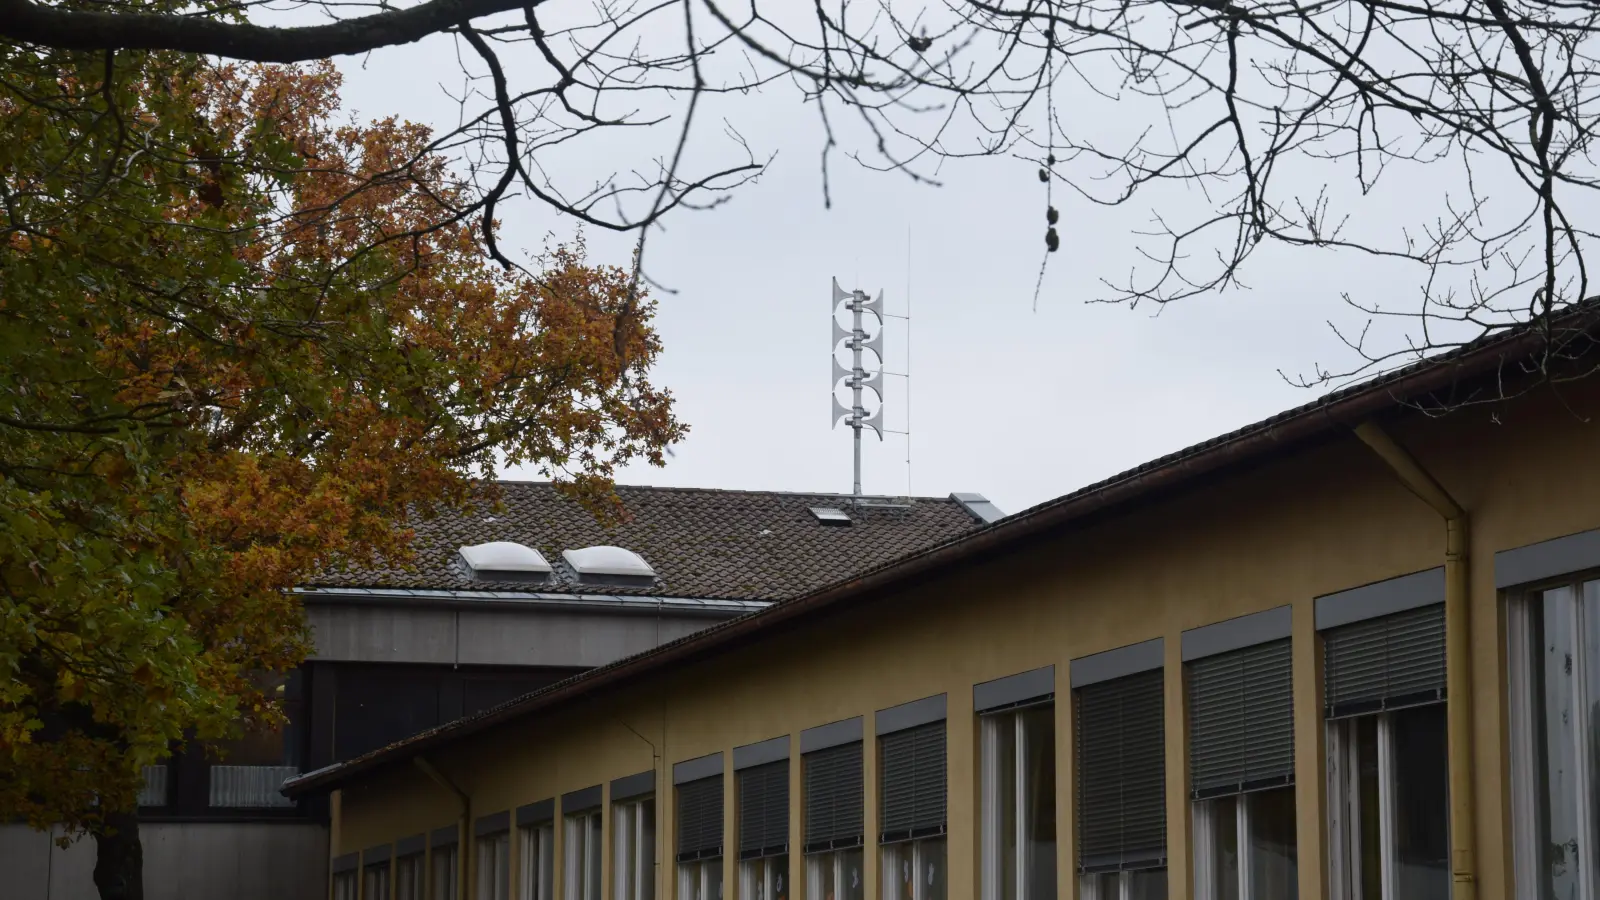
[(912, 783), (1241, 721), (700, 819), (834, 797), (1121, 748), (1385, 663), (764, 810)]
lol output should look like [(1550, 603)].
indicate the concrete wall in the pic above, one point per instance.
[(480, 634), (182, 861), (1321, 520)]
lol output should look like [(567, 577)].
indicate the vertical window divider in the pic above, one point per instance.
[(1204, 838), (1580, 734), (1241, 818), (1021, 806), (1386, 812)]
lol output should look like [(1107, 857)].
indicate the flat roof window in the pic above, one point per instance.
[(505, 561), (828, 515)]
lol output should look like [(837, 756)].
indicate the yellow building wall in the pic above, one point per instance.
[(1316, 521)]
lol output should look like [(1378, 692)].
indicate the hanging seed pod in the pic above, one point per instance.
[(1051, 159), (1052, 216), (1052, 240), (1044, 175)]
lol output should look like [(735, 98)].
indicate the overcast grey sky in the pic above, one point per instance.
[(1017, 404)]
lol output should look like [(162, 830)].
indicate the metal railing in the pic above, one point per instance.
[(250, 787)]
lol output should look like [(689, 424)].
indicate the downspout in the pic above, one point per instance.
[(1458, 656), (463, 829)]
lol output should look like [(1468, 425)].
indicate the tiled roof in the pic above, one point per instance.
[(745, 545), (1454, 378)]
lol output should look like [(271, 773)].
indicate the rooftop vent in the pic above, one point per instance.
[(828, 515), (610, 565), (979, 506), (505, 561)]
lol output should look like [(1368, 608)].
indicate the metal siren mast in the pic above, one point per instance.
[(857, 377)]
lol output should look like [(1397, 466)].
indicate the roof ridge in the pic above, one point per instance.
[(749, 491)]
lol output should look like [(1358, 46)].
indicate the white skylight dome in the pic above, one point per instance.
[(608, 562), (505, 561)]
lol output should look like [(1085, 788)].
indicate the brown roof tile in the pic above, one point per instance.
[(743, 545)]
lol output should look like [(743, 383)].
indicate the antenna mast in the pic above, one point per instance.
[(857, 378)]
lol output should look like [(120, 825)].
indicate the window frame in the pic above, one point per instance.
[(411, 868), (835, 863), (992, 865), (694, 878), (889, 859), (536, 842), (772, 876), (582, 859), (493, 855), (346, 884), (633, 848), (1526, 802), (444, 883)]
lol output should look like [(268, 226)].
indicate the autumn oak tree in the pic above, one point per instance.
[(242, 340)]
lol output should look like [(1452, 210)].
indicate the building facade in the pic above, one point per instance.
[(403, 650), (1349, 652)]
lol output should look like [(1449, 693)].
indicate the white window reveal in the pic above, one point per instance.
[(1554, 657), (633, 830), (1388, 760)]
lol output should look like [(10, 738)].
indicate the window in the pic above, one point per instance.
[(376, 882), (446, 878), (408, 873), (700, 838), (582, 852), (1121, 786), (1388, 762), (835, 875), (494, 866), (834, 822), (1555, 686), (1241, 765), (914, 870), (633, 832), (912, 802), (700, 880), (538, 862), (764, 831), (1017, 749), (344, 885)]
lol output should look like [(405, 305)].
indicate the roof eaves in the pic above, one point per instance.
[(1340, 408)]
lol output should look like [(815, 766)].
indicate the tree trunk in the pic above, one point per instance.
[(119, 859)]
